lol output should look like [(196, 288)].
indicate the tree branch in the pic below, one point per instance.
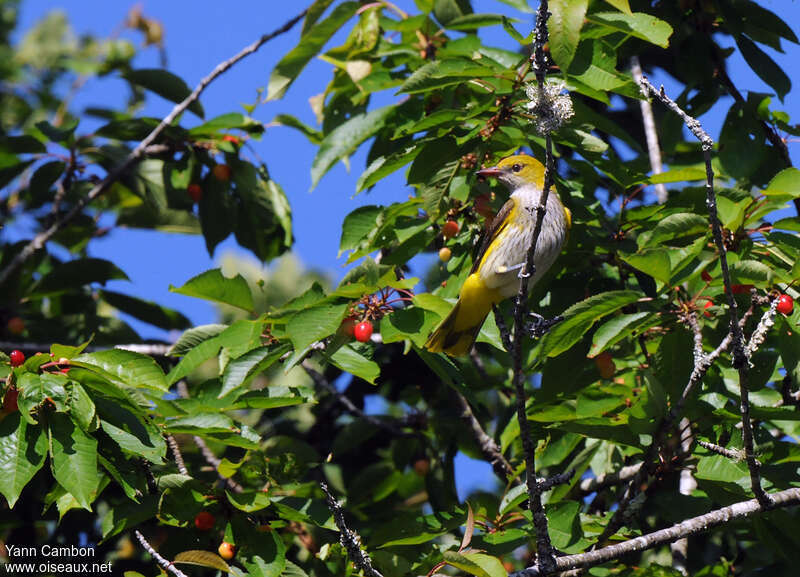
[(137, 153), (544, 548), (349, 539), (740, 360), (167, 565), (489, 449), (650, 133), (680, 530)]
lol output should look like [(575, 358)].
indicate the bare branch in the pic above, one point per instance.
[(152, 349), (349, 539), (760, 333), (734, 454), (685, 528), (137, 153), (176, 454), (609, 479), (167, 565), (489, 449), (687, 484), (740, 360), (505, 334), (651, 136)]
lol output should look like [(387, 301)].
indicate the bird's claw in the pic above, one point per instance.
[(539, 326)]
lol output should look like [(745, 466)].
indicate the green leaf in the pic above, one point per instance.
[(751, 272), (314, 136), (61, 133), (438, 74), (193, 337), (637, 24), (240, 371), (44, 178), (165, 84), (565, 29), (580, 317), (213, 286), (447, 10), (474, 21), (23, 448), (248, 501), (225, 122), (764, 66), (346, 138), (147, 311), (678, 175), (202, 424), (315, 323), (474, 563), (351, 361), (654, 262), (357, 225), (787, 181), (74, 459), (77, 273), (564, 524), (312, 41), (133, 435), (621, 5), (202, 559), (618, 328), (127, 368), (675, 226)]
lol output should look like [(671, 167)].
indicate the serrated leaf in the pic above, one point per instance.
[(240, 371), (126, 367), (74, 459), (346, 138), (213, 286), (315, 323), (23, 448), (580, 317), (312, 41), (351, 361), (193, 337), (565, 29), (616, 329), (474, 563), (638, 24)]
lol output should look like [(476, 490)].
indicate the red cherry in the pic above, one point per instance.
[(222, 172), (232, 139), (785, 305), (204, 521), (422, 467), (226, 550), (363, 331), (17, 358), (10, 401), (450, 229), (16, 325), (195, 192), (705, 276), (708, 305)]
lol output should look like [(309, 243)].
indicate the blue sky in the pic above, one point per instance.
[(199, 35)]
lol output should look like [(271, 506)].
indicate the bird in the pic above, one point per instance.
[(495, 273)]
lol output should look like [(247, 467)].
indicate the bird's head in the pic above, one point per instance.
[(516, 171)]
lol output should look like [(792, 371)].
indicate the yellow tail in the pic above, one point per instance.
[(458, 331)]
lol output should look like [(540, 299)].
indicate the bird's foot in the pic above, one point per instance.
[(539, 326)]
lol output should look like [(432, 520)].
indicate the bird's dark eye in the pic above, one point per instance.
[(516, 167)]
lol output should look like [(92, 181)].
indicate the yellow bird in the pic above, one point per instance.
[(495, 273)]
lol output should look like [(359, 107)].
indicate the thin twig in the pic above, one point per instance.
[(505, 334), (151, 349), (544, 548), (349, 539), (176, 454), (137, 153), (733, 454), (685, 528), (489, 449), (651, 136), (167, 565), (740, 360), (687, 484)]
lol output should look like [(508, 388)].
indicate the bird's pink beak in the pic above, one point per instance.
[(491, 171)]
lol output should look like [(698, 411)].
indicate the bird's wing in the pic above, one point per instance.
[(498, 224)]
